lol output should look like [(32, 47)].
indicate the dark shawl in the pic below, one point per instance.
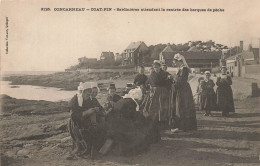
[(158, 79), (140, 79), (183, 103)]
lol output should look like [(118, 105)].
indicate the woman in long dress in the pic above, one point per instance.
[(225, 100), (182, 100), (157, 106)]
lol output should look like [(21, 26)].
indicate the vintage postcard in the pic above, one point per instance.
[(129, 82)]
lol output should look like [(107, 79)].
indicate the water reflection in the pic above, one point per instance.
[(35, 92)]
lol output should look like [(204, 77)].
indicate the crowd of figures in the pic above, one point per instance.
[(222, 100), (129, 123)]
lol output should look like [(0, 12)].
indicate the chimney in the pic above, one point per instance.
[(259, 51), (241, 46), (250, 48)]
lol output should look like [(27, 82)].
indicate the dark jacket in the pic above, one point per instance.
[(140, 79)]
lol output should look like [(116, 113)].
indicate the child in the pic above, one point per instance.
[(112, 97), (199, 92), (208, 94)]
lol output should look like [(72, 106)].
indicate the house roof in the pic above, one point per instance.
[(246, 54), (107, 54), (195, 55), (167, 49), (134, 45), (193, 49), (231, 57)]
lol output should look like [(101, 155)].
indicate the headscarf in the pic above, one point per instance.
[(157, 62), (82, 86), (179, 57), (135, 94)]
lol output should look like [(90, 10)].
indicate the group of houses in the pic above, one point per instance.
[(135, 52), (245, 62), (132, 55), (200, 59)]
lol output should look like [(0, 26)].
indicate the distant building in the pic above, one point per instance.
[(201, 60), (87, 60), (193, 49), (236, 62), (134, 53), (107, 56), (166, 56), (118, 57)]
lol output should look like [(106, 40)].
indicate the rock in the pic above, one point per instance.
[(46, 148), (66, 139), (27, 145), (5, 114), (23, 152), (15, 86), (10, 153), (62, 127)]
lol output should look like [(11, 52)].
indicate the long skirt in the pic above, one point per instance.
[(84, 139), (208, 102), (157, 106), (129, 129), (225, 100), (185, 109)]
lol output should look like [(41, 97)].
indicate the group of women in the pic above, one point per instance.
[(119, 125), (170, 103), (130, 123), (222, 100)]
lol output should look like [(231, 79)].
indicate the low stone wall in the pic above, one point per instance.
[(250, 69)]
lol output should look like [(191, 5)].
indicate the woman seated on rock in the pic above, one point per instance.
[(86, 117), (127, 128)]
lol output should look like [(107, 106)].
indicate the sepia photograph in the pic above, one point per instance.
[(129, 82)]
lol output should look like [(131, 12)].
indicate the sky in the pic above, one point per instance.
[(53, 41)]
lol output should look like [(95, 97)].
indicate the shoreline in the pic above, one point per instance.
[(13, 106), (68, 80)]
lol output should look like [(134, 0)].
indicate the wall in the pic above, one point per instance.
[(251, 69)]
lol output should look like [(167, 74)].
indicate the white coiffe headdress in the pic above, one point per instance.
[(179, 57), (135, 94), (82, 86), (86, 85)]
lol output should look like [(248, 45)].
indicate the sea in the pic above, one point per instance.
[(30, 92)]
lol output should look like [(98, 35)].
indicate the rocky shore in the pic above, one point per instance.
[(67, 80), (12, 106), (41, 138)]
